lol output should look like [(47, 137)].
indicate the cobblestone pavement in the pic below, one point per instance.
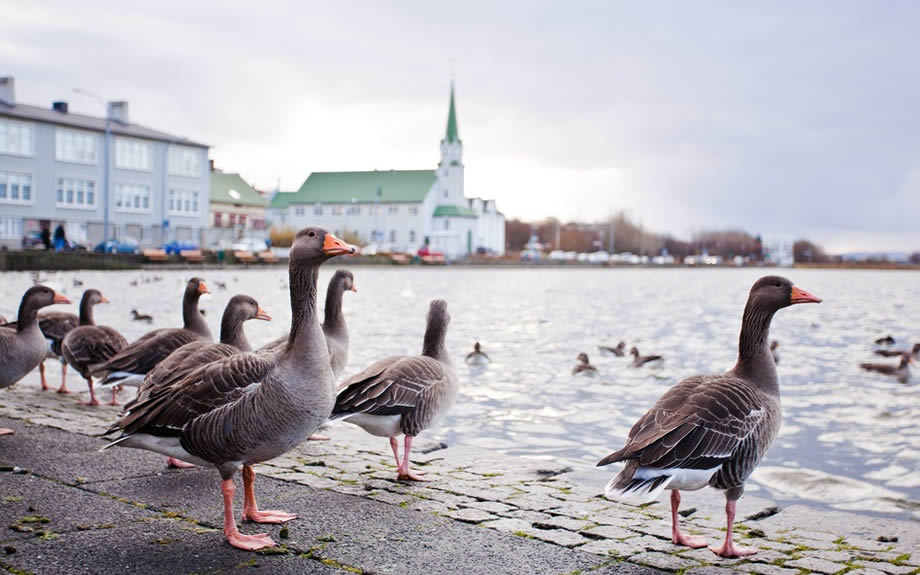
[(538, 503)]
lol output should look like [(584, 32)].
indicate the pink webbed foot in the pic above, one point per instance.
[(729, 550), (249, 542), (411, 475), (178, 463), (318, 437), (63, 389), (91, 403), (5, 431), (692, 541), (267, 516)]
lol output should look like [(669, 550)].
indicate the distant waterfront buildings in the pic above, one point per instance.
[(55, 167), (237, 209), (400, 210)]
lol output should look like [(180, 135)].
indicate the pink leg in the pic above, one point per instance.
[(318, 437), (394, 445), (114, 396), (5, 431), (404, 471), (251, 508), (178, 463), (41, 371), (92, 393), (676, 536), (63, 388), (728, 548), (234, 537)]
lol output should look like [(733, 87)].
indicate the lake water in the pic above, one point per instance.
[(850, 439)]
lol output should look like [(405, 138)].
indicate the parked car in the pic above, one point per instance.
[(125, 245), (32, 240), (175, 247), (247, 244)]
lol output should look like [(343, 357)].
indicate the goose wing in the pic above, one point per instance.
[(144, 354), (392, 386), (92, 344)]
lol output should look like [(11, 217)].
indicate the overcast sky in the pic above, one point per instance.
[(784, 118)]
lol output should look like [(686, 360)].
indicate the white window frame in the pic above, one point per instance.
[(413, 210), (140, 210), (11, 228), (121, 160), (298, 210), (4, 178), (392, 209), (6, 134), (60, 184), (337, 210), (60, 133), (179, 194), (178, 161)]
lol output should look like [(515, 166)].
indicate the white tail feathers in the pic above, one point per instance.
[(637, 490), (122, 378)]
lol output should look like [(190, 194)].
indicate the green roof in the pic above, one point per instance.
[(452, 132), (451, 211), (396, 186), (232, 189)]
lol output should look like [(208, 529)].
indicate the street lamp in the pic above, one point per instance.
[(105, 175)]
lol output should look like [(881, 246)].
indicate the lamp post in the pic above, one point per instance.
[(105, 175)]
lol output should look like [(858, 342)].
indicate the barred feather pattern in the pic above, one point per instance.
[(145, 353), (90, 345)]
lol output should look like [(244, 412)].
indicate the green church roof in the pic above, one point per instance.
[(396, 186), (229, 188), (452, 132), (452, 211)]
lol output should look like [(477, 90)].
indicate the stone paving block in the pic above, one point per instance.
[(608, 532), (704, 555), (836, 556), (816, 565), (662, 561), (865, 571), (469, 515), (776, 545), (528, 516), (889, 568), (490, 506), (609, 547), (559, 537), (709, 570), (387, 497), (766, 569), (563, 522), (649, 543), (510, 526)]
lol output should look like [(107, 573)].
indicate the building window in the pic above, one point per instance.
[(75, 193), (258, 224), (412, 236), (392, 209), (132, 198), (392, 236), (218, 220), (353, 211), (231, 220), (242, 220), (446, 223), (10, 228), (15, 138), (184, 161), (413, 210), (74, 146), (183, 201), (446, 193), (132, 154), (15, 188), (372, 210), (317, 210), (336, 210), (298, 211)]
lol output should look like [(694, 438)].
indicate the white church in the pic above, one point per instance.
[(400, 210)]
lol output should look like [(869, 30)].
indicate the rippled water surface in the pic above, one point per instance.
[(850, 440)]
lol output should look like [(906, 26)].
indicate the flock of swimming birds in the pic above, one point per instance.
[(228, 406)]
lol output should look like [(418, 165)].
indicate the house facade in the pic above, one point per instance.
[(84, 172), (399, 210), (237, 210)]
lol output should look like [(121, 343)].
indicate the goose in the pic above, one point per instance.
[(887, 340), (138, 316), (774, 351), (901, 372), (88, 344), (23, 348), (193, 355), (403, 395), (711, 429), (640, 360), (583, 367), (914, 351), (619, 350), (130, 365), (477, 356), (249, 407)]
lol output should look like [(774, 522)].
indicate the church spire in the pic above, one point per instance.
[(452, 134)]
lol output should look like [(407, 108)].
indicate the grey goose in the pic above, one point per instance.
[(403, 395), (619, 350), (477, 356), (583, 367), (914, 351), (901, 372), (711, 429), (249, 407), (23, 347), (639, 360)]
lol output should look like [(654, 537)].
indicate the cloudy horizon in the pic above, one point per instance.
[(786, 119)]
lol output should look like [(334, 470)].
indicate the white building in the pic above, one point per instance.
[(401, 210)]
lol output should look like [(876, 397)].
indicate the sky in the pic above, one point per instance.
[(788, 119)]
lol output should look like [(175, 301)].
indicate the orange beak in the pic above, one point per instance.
[(333, 246), (801, 296), (203, 288), (103, 299), (353, 288), (61, 298), (262, 314)]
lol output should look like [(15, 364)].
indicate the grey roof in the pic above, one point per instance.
[(49, 116)]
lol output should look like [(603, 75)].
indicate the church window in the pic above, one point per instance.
[(413, 210)]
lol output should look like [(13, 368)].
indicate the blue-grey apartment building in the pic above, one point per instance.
[(87, 172)]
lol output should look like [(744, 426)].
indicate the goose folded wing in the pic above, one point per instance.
[(96, 346), (144, 354), (694, 426), (57, 324), (389, 389), (205, 389)]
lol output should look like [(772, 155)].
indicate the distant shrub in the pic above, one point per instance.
[(282, 237)]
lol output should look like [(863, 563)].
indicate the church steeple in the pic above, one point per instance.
[(452, 134)]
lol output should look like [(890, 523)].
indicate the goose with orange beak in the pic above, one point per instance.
[(711, 429)]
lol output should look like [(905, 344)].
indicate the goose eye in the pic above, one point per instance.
[(779, 284), (311, 233)]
